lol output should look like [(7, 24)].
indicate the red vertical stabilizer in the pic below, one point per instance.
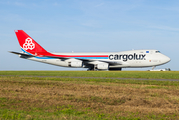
[(28, 44)]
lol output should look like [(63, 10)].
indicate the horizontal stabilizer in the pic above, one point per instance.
[(24, 54)]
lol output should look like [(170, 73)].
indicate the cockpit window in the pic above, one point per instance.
[(157, 51)]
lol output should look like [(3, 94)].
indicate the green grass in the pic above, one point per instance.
[(94, 81), (118, 74)]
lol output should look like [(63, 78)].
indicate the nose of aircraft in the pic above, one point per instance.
[(166, 59)]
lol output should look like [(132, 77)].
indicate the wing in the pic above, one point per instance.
[(88, 61)]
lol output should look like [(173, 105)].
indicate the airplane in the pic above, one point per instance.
[(31, 50)]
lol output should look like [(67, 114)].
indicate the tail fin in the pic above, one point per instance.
[(28, 44)]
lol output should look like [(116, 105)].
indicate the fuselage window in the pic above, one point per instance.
[(157, 51)]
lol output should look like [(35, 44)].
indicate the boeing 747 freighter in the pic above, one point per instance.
[(31, 50)]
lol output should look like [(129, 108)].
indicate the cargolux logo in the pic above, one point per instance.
[(126, 57), (28, 44)]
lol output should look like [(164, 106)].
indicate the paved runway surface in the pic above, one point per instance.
[(95, 78)]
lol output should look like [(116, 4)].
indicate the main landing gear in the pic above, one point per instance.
[(92, 68)]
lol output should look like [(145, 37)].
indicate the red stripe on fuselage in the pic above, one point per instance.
[(79, 55), (83, 55), (54, 55)]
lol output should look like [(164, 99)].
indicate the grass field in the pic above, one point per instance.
[(24, 95)]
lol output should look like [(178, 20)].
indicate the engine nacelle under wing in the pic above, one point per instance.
[(75, 64), (103, 66)]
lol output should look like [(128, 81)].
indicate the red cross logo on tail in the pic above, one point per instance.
[(28, 44)]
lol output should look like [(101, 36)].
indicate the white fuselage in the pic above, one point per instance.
[(125, 59)]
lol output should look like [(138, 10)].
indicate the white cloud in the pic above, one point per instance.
[(19, 4), (165, 28), (99, 5)]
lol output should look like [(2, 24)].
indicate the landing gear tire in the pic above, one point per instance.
[(115, 69), (91, 69)]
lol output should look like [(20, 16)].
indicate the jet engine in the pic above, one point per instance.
[(102, 66), (75, 64)]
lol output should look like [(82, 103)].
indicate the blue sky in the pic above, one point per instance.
[(89, 26)]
